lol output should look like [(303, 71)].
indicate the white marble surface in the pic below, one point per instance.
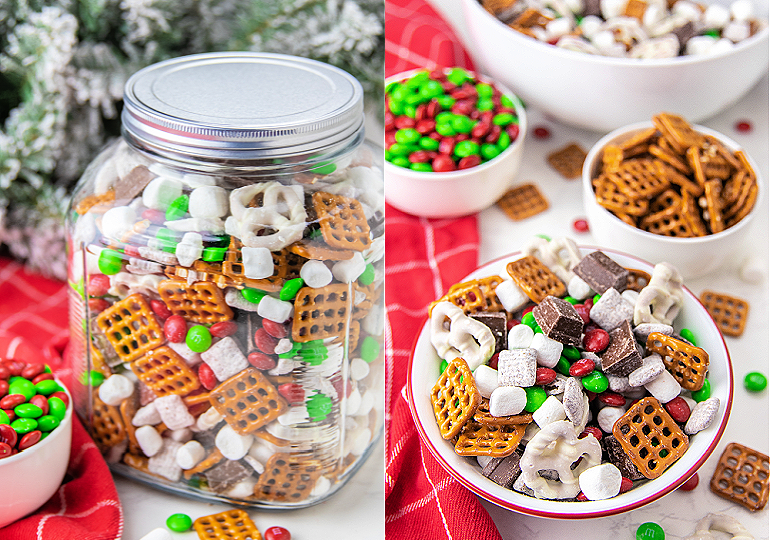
[(677, 512)]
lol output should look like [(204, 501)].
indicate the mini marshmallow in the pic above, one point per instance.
[(611, 310), (181, 435), (234, 298), (209, 202), (295, 415), (716, 16), (212, 225), (630, 295), (577, 288), (353, 402), (702, 416), (315, 274), (721, 46), (282, 367), (360, 441), (550, 411), (548, 350), (161, 192), (367, 403), (486, 380), (664, 387), (118, 221), (736, 31), (520, 336), (273, 309), (242, 489), (189, 249), (233, 445), (173, 412), (257, 262), (700, 45), (157, 534), (651, 367), (146, 416), (164, 462), (321, 487), (359, 369), (115, 389), (190, 454), (612, 8), (225, 358), (511, 296), (254, 463), (590, 25), (149, 440), (517, 367), (600, 482), (558, 27), (349, 270), (507, 401), (572, 400), (742, 10), (687, 10), (607, 417), (691, 403)]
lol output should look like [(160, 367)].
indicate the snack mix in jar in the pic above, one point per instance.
[(566, 379), (226, 281)]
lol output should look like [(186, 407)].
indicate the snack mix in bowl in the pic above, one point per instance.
[(568, 381), (631, 29)]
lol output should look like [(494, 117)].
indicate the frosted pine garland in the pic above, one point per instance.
[(63, 64)]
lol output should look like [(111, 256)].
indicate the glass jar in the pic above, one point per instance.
[(225, 267)]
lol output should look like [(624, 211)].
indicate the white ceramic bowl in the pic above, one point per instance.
[(693, 257), (424, 371), (456, 193), (603, 93), (32, 476)]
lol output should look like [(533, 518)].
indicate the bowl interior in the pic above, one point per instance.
[(424, 371)]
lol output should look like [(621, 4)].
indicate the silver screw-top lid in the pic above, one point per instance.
[(242, 106)]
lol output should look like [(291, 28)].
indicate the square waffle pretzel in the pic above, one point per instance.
[(712, 190), (668, 222), (321, 312), (568, 161), (535, 279), (741, 476), (728, 312), (165, 372), (95, 202), (487, 285), (639, 178), (467, 296), (232, 524), (610, 197), (201, 302), (287, 479), (687, 363), (131, 327), (483, 416), (342, 220), (650, 437), (523, 201), (677, 131), (247, 401), (455, 398), (107, 428), (478, 439)]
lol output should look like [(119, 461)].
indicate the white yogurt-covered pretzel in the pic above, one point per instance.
[(465, 337), (721, 523), (560, 255), (662, 298), (556, 446)]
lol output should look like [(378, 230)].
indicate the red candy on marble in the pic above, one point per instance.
[(743, 126), (277, 533), (580, 225), (541, 132), (691, 483)]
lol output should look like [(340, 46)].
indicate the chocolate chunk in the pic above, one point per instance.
[(497, 321), (684, 33), (133, 183), (617, 456), (225, 475), (592, 7), (601, 272), (559, 320), (504, 471), (621, 356)]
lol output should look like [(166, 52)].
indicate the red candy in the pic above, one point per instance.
[(293, 392), (42, 377), (175, 329), (677, 408), (5, 450), (260, 360), (156, 216), (32, 370), (30, 439), (3, 387), (691, 483), (4, 372), (14, 367), (277, 330), (223, 329), (625, 484), (580, 225), (11, 414), (264, 341), (584, 312), (510, 324), (581, 497), (596, 340), (493, 361), (592, 430), (612, 399), (160, 309), (97, 305), (544, 375), (206, 376), (541, 132), (41, 401), (743, 126), (469, 161), (277, 533), (582, 367), (8, 435), (98, 285), (443, 163), (12, 400), (62, 396)]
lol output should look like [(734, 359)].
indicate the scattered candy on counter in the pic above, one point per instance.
[(755, 381), (541, 132), (179, 522), (445, 120), (743, 126), (742, 476), (32, 405), (650, 531), (673, 181), (591, 370), (637, 29), (729, 312), (277, 533), (580, 225), (691, 483)]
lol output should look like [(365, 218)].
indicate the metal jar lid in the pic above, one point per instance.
[(241, 106)]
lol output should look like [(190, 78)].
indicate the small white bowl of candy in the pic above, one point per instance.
[(570, 382), (604, 64)]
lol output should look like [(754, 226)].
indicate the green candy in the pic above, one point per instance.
[(570, 352), (428, 143), (466, 148), (179, 522), (444, 117), (507, 102), (92, 378), (407, 136), (48, 422), (4, 417), (214, 254), (484, 90), (198, 338), (544, 237), (442, 368), (110, 262), (22, 426), (485, 104), (431, 89), (462, 124), (688, 335), (167, 239), (704, 393), (178, 208), (400, 92), (253, 295), (445, 102), (529, 319), (562, 366), (367, 276), (445, 130), (391, 86), (291, 288), (370, 349), (536, 396), (713, 33), (571, 299), (57, 408), (503, 119), (503, 141), (23, 387), (421, 167), (401, 161), (650, 531), (396, 107), (314, 352), (489, 151), (597, 297), (400, 149), (410, 111), (416, 80), (388, 156), (295, 349), (458, 76), (324, 168), (596, 382), (318, 406), (754, 382), (28, 410), (47, 388)]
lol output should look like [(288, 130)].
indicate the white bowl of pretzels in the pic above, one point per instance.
[(425, 370), (669, 217)]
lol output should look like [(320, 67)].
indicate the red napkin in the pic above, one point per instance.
[(423, 258), (33, 328)]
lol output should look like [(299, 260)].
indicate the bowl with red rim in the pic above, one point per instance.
[(35, 472), (462, 191), (424, 370)]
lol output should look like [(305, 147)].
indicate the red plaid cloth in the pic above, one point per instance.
[(423, 258), (33, 327)]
